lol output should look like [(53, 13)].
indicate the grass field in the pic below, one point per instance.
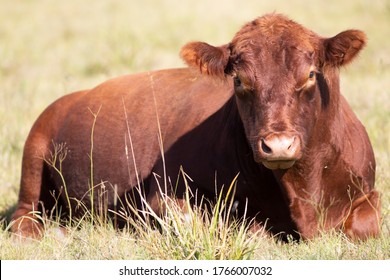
[(49, 48)]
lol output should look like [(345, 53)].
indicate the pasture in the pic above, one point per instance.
[(50, 48)]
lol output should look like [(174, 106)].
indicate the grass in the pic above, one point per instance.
[(50, 48)]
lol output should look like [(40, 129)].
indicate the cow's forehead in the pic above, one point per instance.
[(275, 33)]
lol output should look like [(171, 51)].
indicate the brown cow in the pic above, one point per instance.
[(266, 106)]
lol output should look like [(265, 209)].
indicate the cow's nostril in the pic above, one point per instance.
[(292, 144), (266, 149)]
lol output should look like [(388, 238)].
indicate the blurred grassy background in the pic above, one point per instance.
[(49, 48)]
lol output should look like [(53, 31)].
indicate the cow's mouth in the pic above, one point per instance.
[(278, 164)]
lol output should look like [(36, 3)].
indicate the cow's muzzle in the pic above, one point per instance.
[(279, 150)]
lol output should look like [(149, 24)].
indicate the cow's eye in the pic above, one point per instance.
[(241, 87), (237, 81), (312, 74)]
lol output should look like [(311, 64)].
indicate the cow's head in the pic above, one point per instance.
[(281, 82)]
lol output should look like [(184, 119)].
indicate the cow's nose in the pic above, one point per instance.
[(279, 147)]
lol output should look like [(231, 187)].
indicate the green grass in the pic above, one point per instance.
[(49, 48)]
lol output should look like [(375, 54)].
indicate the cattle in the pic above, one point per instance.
[(265, 107)]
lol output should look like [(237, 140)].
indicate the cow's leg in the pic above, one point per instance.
[(161, 198), (25, 220), (363, 220), (167, 193), (154, 200), (305, 217)]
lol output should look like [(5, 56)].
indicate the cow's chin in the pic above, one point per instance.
[(278, 164)]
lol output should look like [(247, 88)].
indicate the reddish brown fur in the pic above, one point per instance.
[(304, 159)]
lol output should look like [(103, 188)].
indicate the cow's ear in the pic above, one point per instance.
[(209, 59), (343, 48)]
